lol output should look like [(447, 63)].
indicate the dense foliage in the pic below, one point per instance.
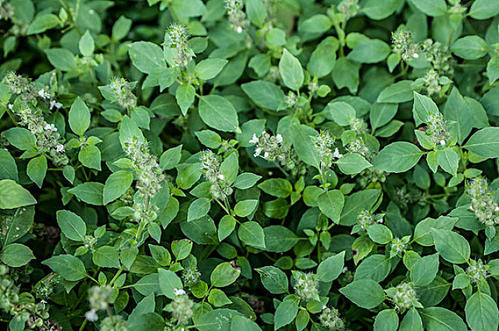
[(246, 165)]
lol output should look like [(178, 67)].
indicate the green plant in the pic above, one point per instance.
[(247, 165)]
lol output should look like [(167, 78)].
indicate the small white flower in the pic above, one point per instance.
[(266, 155), (345, 269), (11, 106), (42, 94), (442, 142), (55, 104), (279, 138), (257, 152), (179, 291), (59, 148), (337, 153), (415, 55), (253, 139), (239, 29), (91, 315), (381, 220), (50, 127), (220, 176)]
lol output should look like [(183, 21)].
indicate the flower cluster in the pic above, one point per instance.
[(322, 144), (273, 148), (358, 125), (99, 298), (177, 37), (149, 174), (330, 319), (438, 55), (482, 201), (399, 245), (114, 323), (25, 310), (349, 8), (291, 99), (122, 93), (210, 165), (437, 128), (358, 146), (237, 17), (431, 82), (403, 296), (191, 275), (6, 10), (477, 271), (181, 308), (404, 46), (371, 176), (366, 218), (306, 285)]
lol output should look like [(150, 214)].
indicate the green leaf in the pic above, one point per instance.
[(331, 204), (89, 192), (61, 58), (285, 313), (369, 51), (301, 137), (69, 267), (79, 117), (245, 208), (170, 158), (246, 180), (218, 113), (37, 169), (209, 68), (484, 9), (8, 166), (146, 56), (106, 257), (448, 160), (323, 58), (20, 138), (13, 195), (431, 7), (399, 156), (239, 323), (365, 293), (169, 282), (198, 208), (380, 9), (279, 239), (381, 114), (346, 74), (251, 233), (470, 47), (291, 71), (352, 163), (493, 69), (185, 96), (116, 185), (256, 12), (411, 321), (425, 269), (459, 115), (441, 319), (316, 24), (71, 225), (277, 187), (226, 226), (264, 94), (16, 255), (397, 93), (340, 112), (379, 233), (329, 269), (230, 167), (90, 157), (218, 298), (121, 28), (273, 279), (17, 225), (451, 246), (422, 108), (223, 275), (43, 23), (86, 44), (484, 143), (386, 320), (481, 312)]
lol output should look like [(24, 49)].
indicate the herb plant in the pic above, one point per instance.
[(249, 165)]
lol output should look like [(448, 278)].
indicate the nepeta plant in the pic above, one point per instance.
[(249, 165)]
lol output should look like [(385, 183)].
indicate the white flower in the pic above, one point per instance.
[(415, 55), (337, 153), (266, 155), (222, 177), (60, 148), (55, 104), (91, 315), (257, 152), (253, 139), (42, 94), (11, 106), (50, 127), (278, 138), (179, 291), (239, 29), (442, 142)]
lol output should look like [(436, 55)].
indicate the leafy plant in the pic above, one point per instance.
[(249, 165)]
